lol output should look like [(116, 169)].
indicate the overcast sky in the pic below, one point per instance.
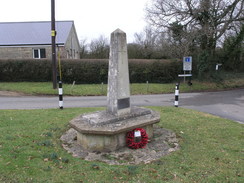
[(92, 17)]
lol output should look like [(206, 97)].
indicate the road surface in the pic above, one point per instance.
[(226, 104)]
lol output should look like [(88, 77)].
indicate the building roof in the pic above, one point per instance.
[(33, 33)]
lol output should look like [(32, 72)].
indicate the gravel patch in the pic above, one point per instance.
[(163, 143)]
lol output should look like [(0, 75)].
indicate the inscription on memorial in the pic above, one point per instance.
[(123, 103)]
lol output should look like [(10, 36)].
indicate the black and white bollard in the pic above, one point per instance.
[(177, 86), (60, 93)]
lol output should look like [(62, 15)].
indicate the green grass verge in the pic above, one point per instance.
[(45, 88), (30, 150)]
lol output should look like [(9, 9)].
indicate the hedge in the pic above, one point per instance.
[(87, 71)]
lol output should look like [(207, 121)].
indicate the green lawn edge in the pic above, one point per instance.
[(211, 150), (45, 88)]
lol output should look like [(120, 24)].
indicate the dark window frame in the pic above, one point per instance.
[(39, 53)]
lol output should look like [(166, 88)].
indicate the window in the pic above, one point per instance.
[(39, 53)]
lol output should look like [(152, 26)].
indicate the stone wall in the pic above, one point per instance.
[(15, 52), (27, 52)]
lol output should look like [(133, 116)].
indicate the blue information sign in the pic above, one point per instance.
[(187, 63)]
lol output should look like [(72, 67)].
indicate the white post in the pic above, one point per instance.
[(60, 93), (177, 92)]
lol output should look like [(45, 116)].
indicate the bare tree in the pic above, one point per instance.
[(99, 48), (83, 48), (200, 24), (146, 40), (205, 20)]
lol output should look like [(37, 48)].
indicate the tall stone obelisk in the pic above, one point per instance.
[(118, 95)]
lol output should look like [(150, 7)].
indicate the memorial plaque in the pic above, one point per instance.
[(123, 103)]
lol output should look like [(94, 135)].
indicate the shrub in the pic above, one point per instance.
[(25, 70), (87, 71), (154, 71)]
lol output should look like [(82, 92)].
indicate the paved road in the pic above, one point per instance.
[(226, 104)]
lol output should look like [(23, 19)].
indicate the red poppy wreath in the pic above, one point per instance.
[(137, 138)]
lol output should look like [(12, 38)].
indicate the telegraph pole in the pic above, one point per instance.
[(53, 34)]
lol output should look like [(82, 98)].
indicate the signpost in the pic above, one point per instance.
[(187, 65), (217, 66)]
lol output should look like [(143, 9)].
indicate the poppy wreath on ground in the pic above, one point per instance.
[(137, 138)]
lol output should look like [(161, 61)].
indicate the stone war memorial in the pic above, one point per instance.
[(107, 131)]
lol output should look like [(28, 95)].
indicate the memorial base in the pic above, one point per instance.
[(101, 131)]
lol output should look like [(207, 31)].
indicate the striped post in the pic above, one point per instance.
[(60, 93), (177, 87)]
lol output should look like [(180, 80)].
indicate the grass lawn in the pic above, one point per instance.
[(30, 150), (45, 88)]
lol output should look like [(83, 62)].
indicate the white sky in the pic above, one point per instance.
[(92, 17)]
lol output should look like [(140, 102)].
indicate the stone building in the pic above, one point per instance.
[(26, 40)]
